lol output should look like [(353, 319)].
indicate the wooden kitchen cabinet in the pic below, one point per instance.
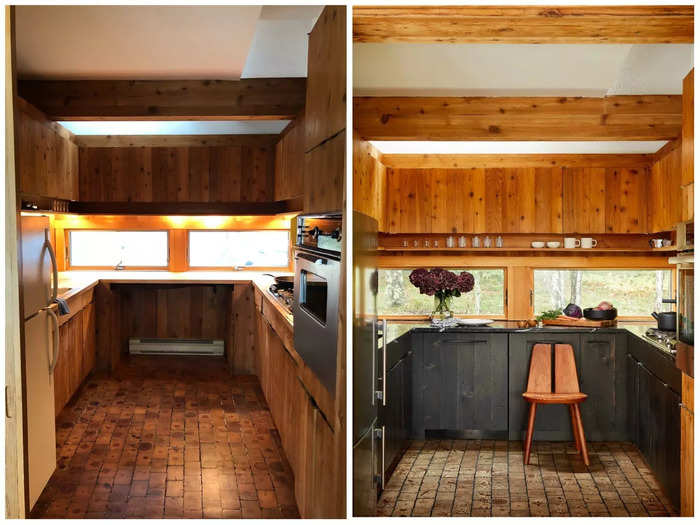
[(324, 120), (665, 196), (460, 383), (47, 157), (325, 83), (76, 355), (605, 200)]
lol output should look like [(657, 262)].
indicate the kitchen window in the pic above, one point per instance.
[(107, 249), (229, 249), (635, 293), (398, 297)]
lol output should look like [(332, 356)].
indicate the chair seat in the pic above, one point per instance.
[(554, 398)]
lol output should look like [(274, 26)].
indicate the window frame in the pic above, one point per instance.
[(242, 268), (605, 269), (68, 247), (422, 317)]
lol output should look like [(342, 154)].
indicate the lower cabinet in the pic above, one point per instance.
[(656, 426), (460, 385), (308, 440), (76, 357)]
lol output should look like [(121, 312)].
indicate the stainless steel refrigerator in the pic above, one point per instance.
[(367, 437), (39, 287)]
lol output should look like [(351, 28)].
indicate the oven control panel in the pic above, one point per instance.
[(320, 232)]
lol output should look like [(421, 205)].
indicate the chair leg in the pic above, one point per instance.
[(530, 431), (574, 428), (581, 436)]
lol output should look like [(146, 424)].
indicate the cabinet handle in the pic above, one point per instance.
[(381, 433), (383, 373)]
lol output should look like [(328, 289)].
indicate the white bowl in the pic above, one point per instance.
[(553, 244), (537, 244)]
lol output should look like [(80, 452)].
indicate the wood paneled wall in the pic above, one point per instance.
[(369, 180), (687, 137), (47, 157), (664, 195), (515, 200), (181, 174), (289, 161), (173, 311)]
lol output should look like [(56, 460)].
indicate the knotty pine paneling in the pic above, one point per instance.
[(289, 162), (664, 194), (47, 157), (605, 200), (180, 174), (477, 200), (369, 180), (687, 128)]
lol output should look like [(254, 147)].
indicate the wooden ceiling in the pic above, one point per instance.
[(630, 117), (667, 24), (249, 99)]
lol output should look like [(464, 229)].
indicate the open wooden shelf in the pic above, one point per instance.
[(534, 250)]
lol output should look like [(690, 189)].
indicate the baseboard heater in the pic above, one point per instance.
[(138, 346)]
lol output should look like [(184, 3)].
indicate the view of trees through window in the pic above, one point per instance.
[(632, 292), (397, 296)]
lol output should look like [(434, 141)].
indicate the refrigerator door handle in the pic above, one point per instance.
[(56, 339), (54, 266)]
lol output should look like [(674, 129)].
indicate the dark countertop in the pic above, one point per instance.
[(395, 329)]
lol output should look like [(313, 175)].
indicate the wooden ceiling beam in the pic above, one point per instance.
[(248, 99), (173, 141), (627, 117), (468, 161), (670, 24)]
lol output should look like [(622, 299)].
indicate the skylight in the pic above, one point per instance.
[(514, 147), (175, 127)]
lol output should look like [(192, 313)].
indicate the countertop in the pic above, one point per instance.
[(79, 281), (395, 329)]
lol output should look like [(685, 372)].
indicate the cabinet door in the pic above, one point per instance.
[(324, 176), (465, 384), (67, 374), (553, 422), (672, 446), (646, 429), (393, 416), (364, 474), (632, 417), (599, 380), (325, 84), (88, 342)]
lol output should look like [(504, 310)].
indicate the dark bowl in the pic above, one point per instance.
[(600, 315)]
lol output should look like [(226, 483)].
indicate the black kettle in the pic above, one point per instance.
[(666, 320)]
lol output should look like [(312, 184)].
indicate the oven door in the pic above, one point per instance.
[(316, 288)]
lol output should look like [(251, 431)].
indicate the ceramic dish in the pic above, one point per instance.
[(553, 244), (537, 244), (475, 322)]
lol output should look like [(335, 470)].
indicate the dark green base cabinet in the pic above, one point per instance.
[(600, 364), (460, 385)]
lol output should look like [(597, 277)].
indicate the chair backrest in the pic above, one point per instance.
[(563, 376)]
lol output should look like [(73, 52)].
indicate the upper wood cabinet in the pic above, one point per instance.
[(177, 174), (687, 138), (325, 86), (477, 200), (47, 157), (663, 195), (605, 200), (289, 162), (324, 171)]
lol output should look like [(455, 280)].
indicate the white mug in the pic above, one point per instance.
[(571, 242), (588, 242)]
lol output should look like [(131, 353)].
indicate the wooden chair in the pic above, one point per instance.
[(566, 390)]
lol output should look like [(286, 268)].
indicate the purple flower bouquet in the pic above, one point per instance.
[(443, 285)]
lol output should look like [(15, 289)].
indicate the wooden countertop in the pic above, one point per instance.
[(78, 282)]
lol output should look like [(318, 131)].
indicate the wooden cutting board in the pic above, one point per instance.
[(581, 323)]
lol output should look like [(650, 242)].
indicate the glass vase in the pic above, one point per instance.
[(443, 308)]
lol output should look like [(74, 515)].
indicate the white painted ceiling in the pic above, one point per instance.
[(534, 147), (163, 42), (594, 70), (173, 127)]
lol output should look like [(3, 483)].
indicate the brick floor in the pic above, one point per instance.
[(488, 478), (169, 437)]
